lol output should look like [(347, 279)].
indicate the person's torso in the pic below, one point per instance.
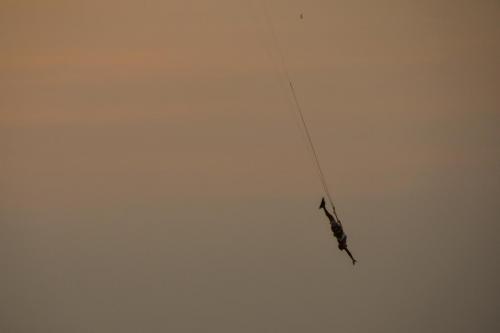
[(337, 230)]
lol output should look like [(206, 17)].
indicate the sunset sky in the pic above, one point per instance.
[(154, 176)]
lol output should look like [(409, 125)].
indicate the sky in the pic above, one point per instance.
[(154, 176)]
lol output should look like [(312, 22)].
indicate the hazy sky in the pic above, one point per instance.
[(153, 177)]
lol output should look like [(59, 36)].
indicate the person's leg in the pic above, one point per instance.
[(327, 213), (330, 216)]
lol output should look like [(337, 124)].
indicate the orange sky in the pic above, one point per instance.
[(153, 175)]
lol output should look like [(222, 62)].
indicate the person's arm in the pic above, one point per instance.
[(350, 255)]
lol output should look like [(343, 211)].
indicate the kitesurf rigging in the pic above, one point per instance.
[(335, 223)]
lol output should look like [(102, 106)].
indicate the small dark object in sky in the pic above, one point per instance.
[(301, 16)]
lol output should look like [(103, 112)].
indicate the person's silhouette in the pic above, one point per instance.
[(337, 230)]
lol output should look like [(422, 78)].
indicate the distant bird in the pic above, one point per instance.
[(301, 16)]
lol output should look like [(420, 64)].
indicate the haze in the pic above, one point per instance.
[(153, 177)]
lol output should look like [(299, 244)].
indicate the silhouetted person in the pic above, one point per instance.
[(337, 230)]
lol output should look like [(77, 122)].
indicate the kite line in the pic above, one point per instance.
[(298, 109)]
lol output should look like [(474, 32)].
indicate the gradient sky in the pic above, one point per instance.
[(153, 177)]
